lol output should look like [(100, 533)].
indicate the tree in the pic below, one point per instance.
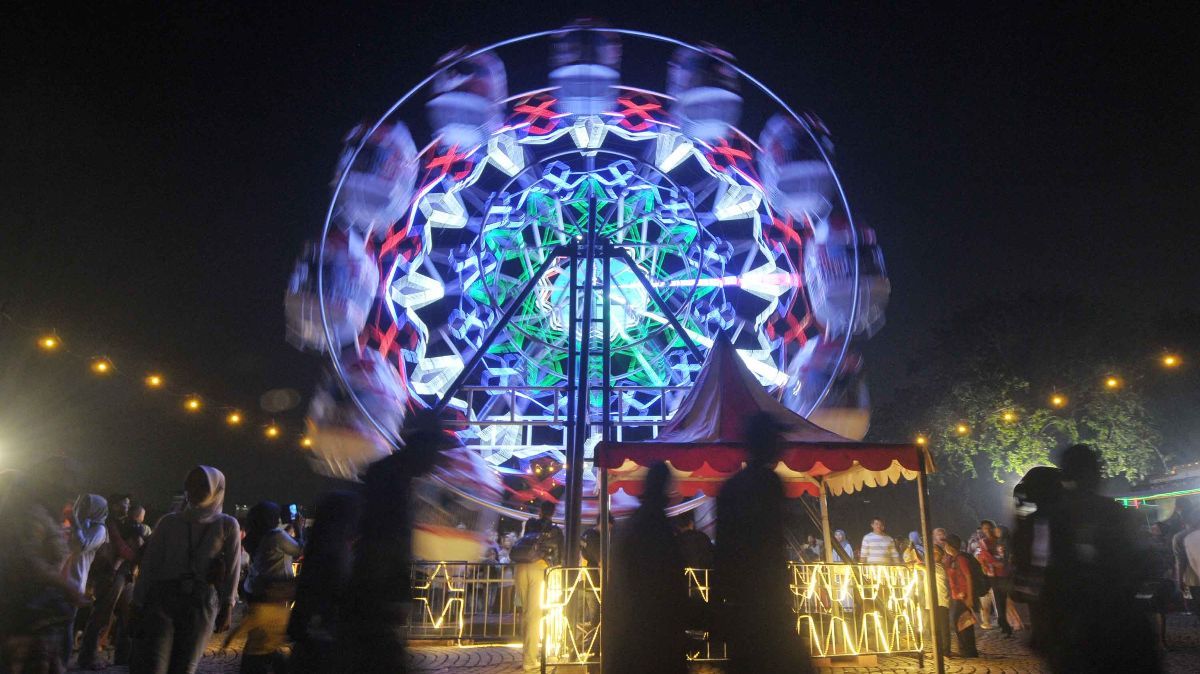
[(982, 393)]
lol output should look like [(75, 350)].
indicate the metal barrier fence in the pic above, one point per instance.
[(840, 609), (463, 602), (859, 609)]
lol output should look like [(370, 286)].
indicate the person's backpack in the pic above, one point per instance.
[(537, 545), (979, 581)]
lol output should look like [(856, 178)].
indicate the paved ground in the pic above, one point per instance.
[(999, 656)]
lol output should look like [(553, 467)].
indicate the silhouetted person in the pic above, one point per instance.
[(696, 546), (647, 597), (112, 578), (1037, 494), (35, 597), (381, 583), (1092, 578), (321, 588), (750, 582), (539, 547)]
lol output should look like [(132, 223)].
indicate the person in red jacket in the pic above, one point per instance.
[(995, 566), (962, 596)]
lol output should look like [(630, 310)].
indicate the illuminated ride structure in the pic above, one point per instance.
[(549, 269)]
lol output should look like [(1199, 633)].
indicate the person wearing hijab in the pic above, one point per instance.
[(321, 588), (843, 549), (269, 588), (36, 597), (188, 582), (647, 588), (86, 536), (914, 554)]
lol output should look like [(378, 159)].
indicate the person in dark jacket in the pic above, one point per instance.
[(750, 584), (321, 588), (647, 597), (381, 580), (1096, 566)]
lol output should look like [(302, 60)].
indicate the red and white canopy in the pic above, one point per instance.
[(702, 442)]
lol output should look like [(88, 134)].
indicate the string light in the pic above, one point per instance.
[(192, 404), (271, 431), (922, 440), (49, 343), (1171, 360), (154, 381), (1112, 383), (962, 429), (1009, 416), (234, 418), (1058, 400), (306, 442), (102, 366)]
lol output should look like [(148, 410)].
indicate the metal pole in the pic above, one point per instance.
[(494, 333), (662, 304), (826, 532), (930, 573), (606, 433), (572, 297), (582, 404)]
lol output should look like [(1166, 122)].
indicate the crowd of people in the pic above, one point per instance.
[(94, 576)]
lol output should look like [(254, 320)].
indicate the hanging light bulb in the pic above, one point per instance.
[(49, 343), (271, 431), (154, 381), (102, 366), (192, 404), (234, 418)]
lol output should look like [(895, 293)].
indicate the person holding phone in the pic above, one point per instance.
[(270, 587)]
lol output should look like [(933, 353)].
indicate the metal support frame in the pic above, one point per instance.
[(494, 333), (582, 419), (939, 648), (662, 304)]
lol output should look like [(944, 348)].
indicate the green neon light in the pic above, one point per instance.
[(1126, 500)]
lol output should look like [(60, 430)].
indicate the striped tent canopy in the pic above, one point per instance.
[(702, 442)]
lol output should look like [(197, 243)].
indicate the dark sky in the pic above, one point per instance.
[(163, 163)]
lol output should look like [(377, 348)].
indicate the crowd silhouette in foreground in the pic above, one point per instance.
[(157, 594)]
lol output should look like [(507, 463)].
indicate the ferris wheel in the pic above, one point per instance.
[(544, 237)]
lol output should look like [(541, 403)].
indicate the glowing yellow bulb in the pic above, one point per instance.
[(1009, 416), (921, 440), (1171, 360), (154, 381), (49, 343), (1112, 383), (272, 431), (1057, 400), (306, 442), (962, 429), (102, 366), (233, 418), (192, 404)]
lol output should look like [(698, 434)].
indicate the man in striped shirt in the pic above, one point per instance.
[(877, 547)]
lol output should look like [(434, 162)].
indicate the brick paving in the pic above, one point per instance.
[(998, 656)]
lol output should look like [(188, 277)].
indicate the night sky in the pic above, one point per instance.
[(163, 164)]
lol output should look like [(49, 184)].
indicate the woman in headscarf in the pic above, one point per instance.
[(188, 581), (269, 588), (843, 549), (37, 598), (647, 595), (86, 536), (321, 589), (914, 553)]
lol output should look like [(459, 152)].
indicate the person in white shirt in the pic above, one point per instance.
[(877, 547)]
